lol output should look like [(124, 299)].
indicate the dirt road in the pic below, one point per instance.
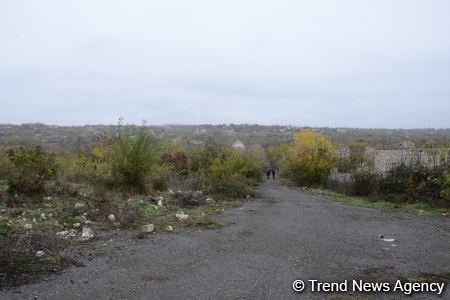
[(269, 242)]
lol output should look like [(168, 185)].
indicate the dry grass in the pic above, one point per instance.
[(19, 263)]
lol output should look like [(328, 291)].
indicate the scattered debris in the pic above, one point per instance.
[(112, 218), (28, 226), (82, 219), (72, 232), (62, 233), (76, 225), (79, 205), (189, 198), (87, 233), (389, 240), (169, 228), (40, 253), (148, 228), (181, 216), (16, 212)]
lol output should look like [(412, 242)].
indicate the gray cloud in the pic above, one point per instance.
[(352, 63)]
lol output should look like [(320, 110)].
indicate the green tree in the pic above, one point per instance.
[(133, 159)]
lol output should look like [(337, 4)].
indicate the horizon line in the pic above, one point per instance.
[(226, 124)]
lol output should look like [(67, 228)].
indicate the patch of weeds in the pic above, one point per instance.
[(424, 207), (5, 230), (427, 277), (205, 216), (38, 215), (161, 222), (21, 268), (51, 261), (20, 264), (3, 186), (209, 222), (67, 221), (96, 253), (379, 204), (201, 216), (35, 267), (47, 226), (202, 221), (145, 209), (75, 242)]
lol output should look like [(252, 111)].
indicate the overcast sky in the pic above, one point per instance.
[(379, 63)]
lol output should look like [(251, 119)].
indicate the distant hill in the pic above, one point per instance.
[(83, 137)]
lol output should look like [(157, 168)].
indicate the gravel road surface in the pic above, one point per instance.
[(284, 235)]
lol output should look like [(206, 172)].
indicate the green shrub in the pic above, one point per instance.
[(397, 180), (178, 161), (445, 187), (200, 161), (6, 165), (344, 164), (417, 183), (133, 160), (232, 175), (365, 182), (32, 169), (234, 186), (5, 230), (159, 178), (84, 167)]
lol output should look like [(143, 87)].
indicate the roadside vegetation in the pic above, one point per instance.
[(416, 207), (53, 201), (413, 185)]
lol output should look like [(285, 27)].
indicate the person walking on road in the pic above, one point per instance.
[(273, 174), (268, 174)]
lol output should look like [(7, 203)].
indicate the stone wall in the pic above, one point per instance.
[(385, 159)]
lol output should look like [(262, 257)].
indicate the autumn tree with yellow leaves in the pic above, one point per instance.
[(310, 157)]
